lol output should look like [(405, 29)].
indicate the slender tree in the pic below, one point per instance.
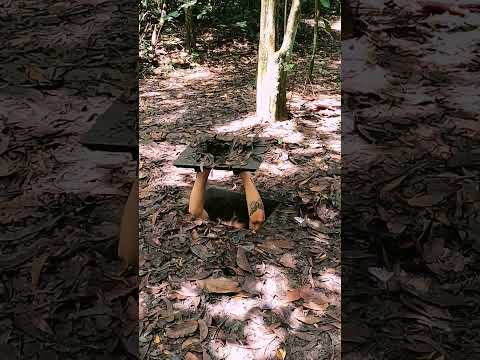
[(315, 37), (272, 62), (189, 35)]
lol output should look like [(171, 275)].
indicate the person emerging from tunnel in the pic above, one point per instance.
[(256, 210)]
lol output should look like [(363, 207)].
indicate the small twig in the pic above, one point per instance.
[(148, 349), (218, 328)]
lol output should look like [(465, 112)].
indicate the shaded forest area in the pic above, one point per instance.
[(64, 294), (210, 290), (410, 225)]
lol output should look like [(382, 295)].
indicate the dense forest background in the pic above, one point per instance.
[(198, 26)]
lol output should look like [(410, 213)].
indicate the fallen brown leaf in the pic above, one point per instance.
[(167, 314), (314, 306), (310, 295), (242, 260), (306, 319), (201, 251), (202, 325), (191, 356), (202, 274), (37, 266), (182, 329), (283, 244), (293, 295), (195, 236), (154, 217), (304, 336), (425, 200), (190, 342), (269, 246), (220, 285), (288, 260), (41, 324), (187, 290), (317, 188), (280, 354)]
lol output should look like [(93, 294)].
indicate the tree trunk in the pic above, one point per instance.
[(189, 37), (271, 72), (315, 36), (347, 20)]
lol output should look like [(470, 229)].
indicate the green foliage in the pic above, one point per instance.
[(173, 15), (288, 67), (325, 3), (204, 11), (241, 24), (188, 4), (328, 26), (226, 17)]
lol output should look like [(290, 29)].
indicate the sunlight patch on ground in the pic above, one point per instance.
[(173, 176), (284, 130), (164, 173), (261, 341), (259, 336), (314, 144), (335, 145), (236, 308), (286, 168), (198, 74), (150, 94), (330, 281), (271, 291), (240, 124), (231, 351)]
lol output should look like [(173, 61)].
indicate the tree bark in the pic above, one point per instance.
[(347, 20), (315, 37), (266, 48), (271, 72), (189, 36)]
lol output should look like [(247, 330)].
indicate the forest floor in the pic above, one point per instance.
[(211, 291), (63, 292), (410, 227)]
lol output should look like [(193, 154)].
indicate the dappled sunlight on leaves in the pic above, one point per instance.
[(235, 308), (243, 123), (281, 169), (199, 75), (285, 131), (331, 281)]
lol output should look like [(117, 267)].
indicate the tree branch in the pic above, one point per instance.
[(292, 26)]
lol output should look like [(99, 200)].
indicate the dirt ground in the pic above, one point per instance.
[(215, 292)]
